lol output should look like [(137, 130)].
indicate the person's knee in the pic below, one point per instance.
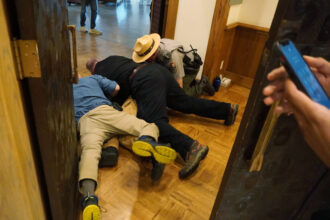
[(91, 146), (95, 148)]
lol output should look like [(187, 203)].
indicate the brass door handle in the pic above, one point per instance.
[(264, 137), (72, 29)]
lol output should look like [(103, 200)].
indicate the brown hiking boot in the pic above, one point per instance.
[(196, 153), (232, 114)]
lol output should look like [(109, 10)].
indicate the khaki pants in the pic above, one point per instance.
[(125, 141), (101, 124)]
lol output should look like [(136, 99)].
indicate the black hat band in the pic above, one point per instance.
[(148, 51)]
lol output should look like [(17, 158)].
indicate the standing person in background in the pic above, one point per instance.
[(93, 5)]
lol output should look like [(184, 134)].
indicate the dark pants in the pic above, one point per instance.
[(155, 89), (93, 5), (190, 86)]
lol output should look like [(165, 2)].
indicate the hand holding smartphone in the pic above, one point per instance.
[(300, 73)]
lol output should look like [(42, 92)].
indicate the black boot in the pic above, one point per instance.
[(157, 170), (232, 114), (109, 157), (207, 87), (196, 153)]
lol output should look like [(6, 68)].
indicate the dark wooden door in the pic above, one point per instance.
[(50, 100), (293, 183), (157, 17)]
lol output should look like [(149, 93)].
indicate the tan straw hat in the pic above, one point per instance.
[(145, 47)]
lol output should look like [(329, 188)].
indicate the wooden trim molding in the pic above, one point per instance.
[(216, 39), (250, 26), (171, 15)]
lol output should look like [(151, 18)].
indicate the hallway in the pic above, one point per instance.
[(126, 191), (121, 25)]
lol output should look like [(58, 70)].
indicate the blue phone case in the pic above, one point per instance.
[(300, 72)]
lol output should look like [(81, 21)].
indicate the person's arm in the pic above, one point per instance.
[(109, 87), (115, 92), (180, 82), (313, 119)]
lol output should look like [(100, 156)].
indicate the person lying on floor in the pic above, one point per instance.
[(185, 65), (154, 89), (97, 121)]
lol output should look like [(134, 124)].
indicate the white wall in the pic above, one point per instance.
[(234, 13), (194, 19), (193, 24), (254, 12)]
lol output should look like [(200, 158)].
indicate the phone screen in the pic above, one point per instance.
[(304, 74)]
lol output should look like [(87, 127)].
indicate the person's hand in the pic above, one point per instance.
[(180, 82), (275, 90), (313, 118), (321, 69)]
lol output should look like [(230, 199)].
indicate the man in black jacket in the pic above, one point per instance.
[(154, 89)]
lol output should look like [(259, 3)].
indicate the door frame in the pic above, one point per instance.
[(164, 25)]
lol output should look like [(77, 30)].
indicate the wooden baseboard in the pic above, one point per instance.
[(239, 79), (249, 26)]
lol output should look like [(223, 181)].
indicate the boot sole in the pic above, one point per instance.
[(92, 212), (162, 154), (200, 157)]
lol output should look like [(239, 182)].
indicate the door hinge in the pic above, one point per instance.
[(27, 58)]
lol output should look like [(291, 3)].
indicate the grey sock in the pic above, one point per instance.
[(88, 187)]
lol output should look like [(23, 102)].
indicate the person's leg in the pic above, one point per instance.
[(190, 87), (109, 155), (129, 107), (91, 138), (179, 141), (127, 141), (178, 100), (83, 13), (121, 123), (112, 142), (93, 4), (149, 90)]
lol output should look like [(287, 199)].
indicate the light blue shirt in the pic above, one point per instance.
[(91, 92)]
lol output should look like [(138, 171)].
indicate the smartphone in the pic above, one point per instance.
[(300, 73)]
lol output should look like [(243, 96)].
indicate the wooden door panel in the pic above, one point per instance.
[(52, 101), (20, 193), (291, 182)]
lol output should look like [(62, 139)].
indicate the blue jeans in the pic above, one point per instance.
[(93, 4)]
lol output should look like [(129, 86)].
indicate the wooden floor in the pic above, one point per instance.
[(126, 191)]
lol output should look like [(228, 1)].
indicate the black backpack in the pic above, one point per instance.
[(196, 62)]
